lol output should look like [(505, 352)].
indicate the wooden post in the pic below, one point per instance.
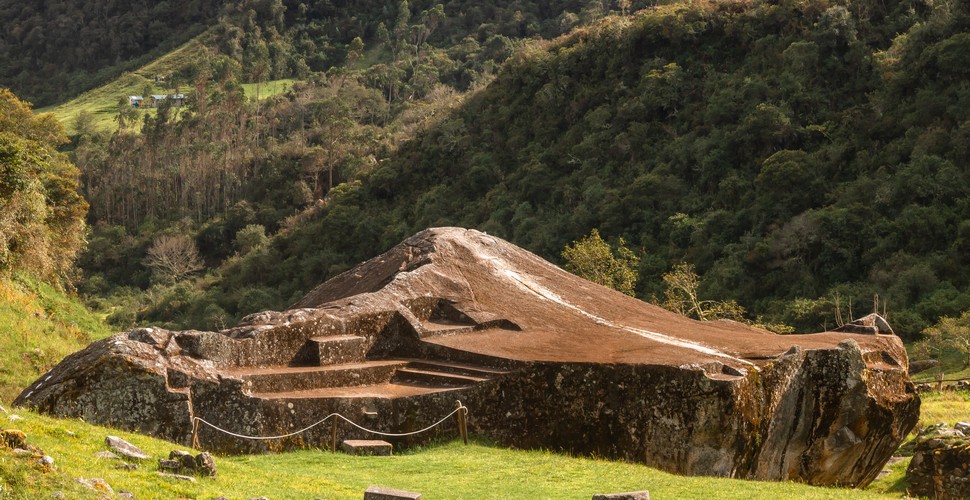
[(939, 381), (333, 439), (462, 429), (195, 434)]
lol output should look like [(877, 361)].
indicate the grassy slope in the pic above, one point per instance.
[(450, 470), (102, 102), (39, 325)]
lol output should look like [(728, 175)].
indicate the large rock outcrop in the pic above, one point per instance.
[(541, 357)]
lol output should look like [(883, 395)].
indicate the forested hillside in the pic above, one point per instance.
[(801, 155), (51, 51), (221, 174), (792, 151)]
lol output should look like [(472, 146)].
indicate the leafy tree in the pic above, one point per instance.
[(250, 238), (84, 123), (127, 113), (952, 332), (682, 296), (41, 213), (592, 258), (931, 346), (814, 147)]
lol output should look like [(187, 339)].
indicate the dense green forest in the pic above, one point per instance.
[(53, 50), (794, 152), (802, 156)]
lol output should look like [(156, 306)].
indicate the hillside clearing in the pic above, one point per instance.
[(102, 102)]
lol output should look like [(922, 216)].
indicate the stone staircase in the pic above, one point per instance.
[(308, 363), (337, 367)]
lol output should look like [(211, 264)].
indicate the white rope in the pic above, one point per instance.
[(345, 419)]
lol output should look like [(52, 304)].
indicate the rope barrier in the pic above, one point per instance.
[(460, 408)]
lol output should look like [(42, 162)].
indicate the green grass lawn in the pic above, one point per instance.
[(447, 470), (948, 407), (268, 89)]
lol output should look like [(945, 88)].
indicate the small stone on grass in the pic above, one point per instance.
[(96, 484), (124, 448)]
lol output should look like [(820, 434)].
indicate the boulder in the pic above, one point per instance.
[(169, 465), (205, 465), (542, 359), (381, 493), (183, 462), (871, 324), (922, 365)]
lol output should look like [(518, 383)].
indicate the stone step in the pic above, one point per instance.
[(387, 390), (336, 349), (302, 378), (434, 378), (456, 368), (366, 447)]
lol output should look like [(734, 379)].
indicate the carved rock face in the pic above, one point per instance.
[(542, 358)]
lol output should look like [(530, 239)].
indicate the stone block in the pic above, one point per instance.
[(379, 493), (629, 495), (366, 447)]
